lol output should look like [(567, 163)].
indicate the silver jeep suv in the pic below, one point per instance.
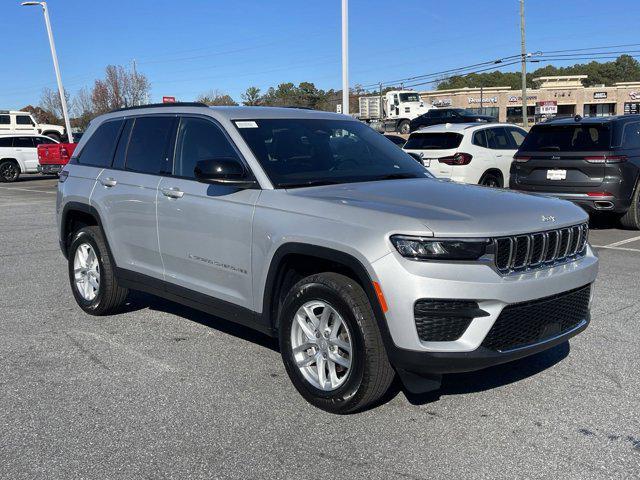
[(312, 227)]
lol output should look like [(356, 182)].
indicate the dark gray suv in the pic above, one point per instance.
[(594, 162)]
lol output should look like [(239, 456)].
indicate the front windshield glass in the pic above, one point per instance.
[(307, 152), (409, 97)]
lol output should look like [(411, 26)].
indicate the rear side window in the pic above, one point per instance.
[(631, 135), (497, 139), (98, 151), (198, 139), (433, 141), (23, 142), (5, 119), (147, 150), (23, 120), (6, 141), (563, 138)]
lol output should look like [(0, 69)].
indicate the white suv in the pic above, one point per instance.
[(17, 122), (468, 152), (19, 154)]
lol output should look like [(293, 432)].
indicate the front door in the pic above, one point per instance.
[(27, 153), (204, 230)]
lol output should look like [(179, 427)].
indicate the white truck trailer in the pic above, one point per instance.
[(394, 112)]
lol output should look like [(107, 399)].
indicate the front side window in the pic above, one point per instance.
[(302, 152), (631, 135), (517, 136), (98, 151), (24, 120), (42, 141), (497, 139), (199, 139), (480, 139), (147, 150), (409, 97), (6, 142), (5, 119), (23, 142)]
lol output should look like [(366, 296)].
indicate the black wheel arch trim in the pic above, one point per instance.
[(84, 208), (324, 253)]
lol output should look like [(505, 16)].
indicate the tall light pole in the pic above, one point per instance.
[(525, 118), (63, 100), (345, 57)]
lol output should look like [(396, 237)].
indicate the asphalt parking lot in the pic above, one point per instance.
[(163, 391)]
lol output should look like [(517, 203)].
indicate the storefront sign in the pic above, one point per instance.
[(483, 100), (441, 102), (634, 95), (548, 107), (514, 98), (599, 95)]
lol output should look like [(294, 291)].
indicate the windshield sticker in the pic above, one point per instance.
[(247, 124)]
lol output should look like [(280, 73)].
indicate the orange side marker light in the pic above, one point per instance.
[(381, 299)]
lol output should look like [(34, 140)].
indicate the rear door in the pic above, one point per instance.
[(127, 192), (27, 153), (432, 146), (563, 157)]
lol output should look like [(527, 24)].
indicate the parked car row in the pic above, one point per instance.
[(594, 162)]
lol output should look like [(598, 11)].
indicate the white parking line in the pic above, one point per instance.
[(622, 242), (609, 247), (27, 190)]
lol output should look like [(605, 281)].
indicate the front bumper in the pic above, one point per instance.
[(405, 281)]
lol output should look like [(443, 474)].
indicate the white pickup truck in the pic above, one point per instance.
[(18, 122)]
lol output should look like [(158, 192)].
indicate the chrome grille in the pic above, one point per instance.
[(540, 249)]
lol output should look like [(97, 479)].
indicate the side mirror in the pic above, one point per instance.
[(224, 171)]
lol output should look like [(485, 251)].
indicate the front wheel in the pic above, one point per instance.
[(9, 171), (404, 127), (631, 219), (331, 345)]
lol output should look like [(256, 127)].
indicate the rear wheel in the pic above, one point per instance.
[(9, 171), (331, 346), (492, 180), (404, 127), (631, 219), (91, 273)]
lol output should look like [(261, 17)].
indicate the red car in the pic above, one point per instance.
[(52, 157)]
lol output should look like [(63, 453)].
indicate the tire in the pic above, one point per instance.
[(491, 180), (108, 297), (404, 127), (9, 171), (369, 374), (631, 219)]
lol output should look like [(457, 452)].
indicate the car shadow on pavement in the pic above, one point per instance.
[(140, 300), (603, 221), (493, 377)]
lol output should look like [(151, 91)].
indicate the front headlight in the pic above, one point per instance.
[(420, 248)]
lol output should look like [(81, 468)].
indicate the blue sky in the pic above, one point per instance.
[(187, 47)]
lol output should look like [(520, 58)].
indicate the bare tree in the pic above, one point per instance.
[(119, 88), (216, 97), (50, 102), (82, 109)]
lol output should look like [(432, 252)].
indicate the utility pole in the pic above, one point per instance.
[(525, 119), (63, 100), (345, 57)]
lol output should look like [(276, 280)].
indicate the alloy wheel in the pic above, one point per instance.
[(321, 345), (86, 272), (8, 171)]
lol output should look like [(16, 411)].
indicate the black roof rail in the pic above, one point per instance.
[(160, 105)]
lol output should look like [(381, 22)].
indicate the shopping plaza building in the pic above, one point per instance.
[(567, 93)]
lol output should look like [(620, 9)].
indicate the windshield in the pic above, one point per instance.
[(306, 152), (433, 141), (564, 138), (410, 97)]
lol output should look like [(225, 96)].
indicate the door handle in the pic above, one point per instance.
[(18, 149), (108, 182), (173, 192)]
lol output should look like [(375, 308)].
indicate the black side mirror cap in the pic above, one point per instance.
[(224, 171)]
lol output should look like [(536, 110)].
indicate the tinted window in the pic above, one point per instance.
[(6, 141), (298, 152), (148, 144), (121, 150), (23, 120), (5, 119), (480, 139), (198, 139), (578, 137), (631, 135), (23, 142), (433, 141), (436, 113), (517, 135), (497, 139), (42, 140), (98, 151)]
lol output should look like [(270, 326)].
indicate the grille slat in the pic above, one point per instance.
[(534, 250), (522, 324)]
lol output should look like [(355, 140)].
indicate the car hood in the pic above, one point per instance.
[(445, 208)]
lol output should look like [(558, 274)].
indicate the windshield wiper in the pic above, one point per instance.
[(309, 183)]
